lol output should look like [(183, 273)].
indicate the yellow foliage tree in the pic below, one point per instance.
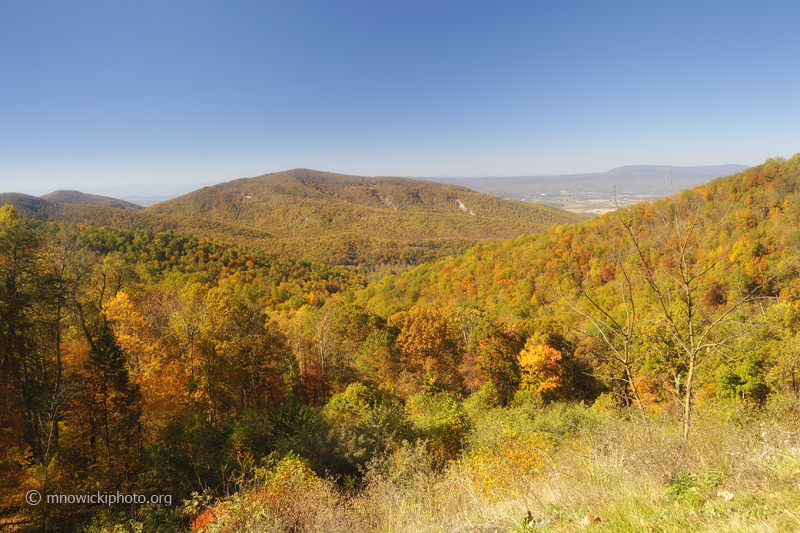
[(541, 370), (162, 378)]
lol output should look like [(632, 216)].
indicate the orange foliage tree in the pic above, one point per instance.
[(495, 347), (429, 346)]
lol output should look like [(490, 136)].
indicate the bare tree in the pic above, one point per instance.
[(679, 273), (616, 325), (663, 273)]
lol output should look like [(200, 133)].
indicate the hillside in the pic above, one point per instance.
[(48, 210), (351, 220), (520, 277), (77, 197), (101, 216)]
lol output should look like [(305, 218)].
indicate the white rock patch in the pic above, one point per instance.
[(464, 208)]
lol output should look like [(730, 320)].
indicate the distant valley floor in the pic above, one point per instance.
[(588, 203)]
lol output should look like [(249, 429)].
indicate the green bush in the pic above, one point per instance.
[(563, 420), (492, 428), (251, 434), (442, 421), (482, 400), (362, 423), (165, 470), (693, 488)]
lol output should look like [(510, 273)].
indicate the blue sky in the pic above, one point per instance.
[(103, 93)]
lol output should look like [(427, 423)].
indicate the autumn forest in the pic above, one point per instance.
[(314, 352)]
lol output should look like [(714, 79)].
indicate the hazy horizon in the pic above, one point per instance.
[(130, 190)]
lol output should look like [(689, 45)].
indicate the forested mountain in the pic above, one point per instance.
[(655, 346), (352, 219), (77, 197), (656, 289), (112, 217), (36, 207), (47, 210), (332, 218)]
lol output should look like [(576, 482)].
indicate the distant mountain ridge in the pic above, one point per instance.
[(380, 192), (642, 176), (652, 180)]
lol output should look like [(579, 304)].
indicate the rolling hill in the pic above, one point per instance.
[(351, 219), (101, 216), (759, 228), (331, 218), (46, 210)]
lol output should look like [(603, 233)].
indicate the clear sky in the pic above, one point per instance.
[(172, 91)]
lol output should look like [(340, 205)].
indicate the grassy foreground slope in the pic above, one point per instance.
[(561, 469)]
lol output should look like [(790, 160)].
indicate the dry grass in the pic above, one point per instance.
[(737, 473)]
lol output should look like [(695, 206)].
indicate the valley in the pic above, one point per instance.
[(594, 194), (588, 203)]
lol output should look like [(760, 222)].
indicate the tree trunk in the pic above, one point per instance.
[(687, 402)]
